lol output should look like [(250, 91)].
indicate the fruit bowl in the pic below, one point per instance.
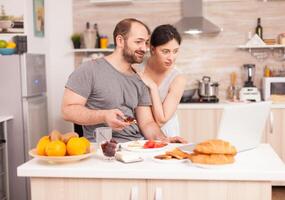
[(61, 159), (7, 51)]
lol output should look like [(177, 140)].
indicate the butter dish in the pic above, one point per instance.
[(127, 157)]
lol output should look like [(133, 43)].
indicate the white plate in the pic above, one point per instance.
[(170, 161), (60, 159), (139, 148), (208, 166)]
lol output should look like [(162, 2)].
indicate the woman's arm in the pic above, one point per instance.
[(163, 111)]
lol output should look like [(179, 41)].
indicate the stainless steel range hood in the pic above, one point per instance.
[(192, 21)]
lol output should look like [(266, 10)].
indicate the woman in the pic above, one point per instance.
[(165, 82)]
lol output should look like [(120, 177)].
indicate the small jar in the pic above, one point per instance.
[(267, 71), (103, 42), (281, 38)]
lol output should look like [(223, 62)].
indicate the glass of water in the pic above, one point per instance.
[(102, 134)]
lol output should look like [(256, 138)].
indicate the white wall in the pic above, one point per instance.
[(58, 49)]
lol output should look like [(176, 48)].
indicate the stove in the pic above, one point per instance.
[(212, 99)]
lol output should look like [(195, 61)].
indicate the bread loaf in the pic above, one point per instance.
[(215, 147), (216, 159)]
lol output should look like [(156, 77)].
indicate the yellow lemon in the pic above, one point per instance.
[(76, 146), (55, 148), (11, 45), (42, 143)]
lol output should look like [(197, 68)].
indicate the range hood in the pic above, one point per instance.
[(192, 21)]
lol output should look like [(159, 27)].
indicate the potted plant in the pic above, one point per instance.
[(76, 40)]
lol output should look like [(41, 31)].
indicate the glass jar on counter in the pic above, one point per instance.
[(103, 41)]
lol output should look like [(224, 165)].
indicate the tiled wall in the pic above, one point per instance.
[(216, 56)]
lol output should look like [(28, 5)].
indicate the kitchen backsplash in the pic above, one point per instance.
[(217, 55)]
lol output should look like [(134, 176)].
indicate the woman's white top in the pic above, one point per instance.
[(171, 127)]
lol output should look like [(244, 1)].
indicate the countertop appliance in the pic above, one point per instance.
[(273, 86), (208, 90), (23, 95), (249, 92)]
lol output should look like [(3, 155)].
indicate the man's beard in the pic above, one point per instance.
[(130, 56)]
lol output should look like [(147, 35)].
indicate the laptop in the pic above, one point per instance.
[(242, 125)]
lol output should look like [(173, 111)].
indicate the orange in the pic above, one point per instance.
[(55, 148), (42, 143), (87, 143), (76, 146)]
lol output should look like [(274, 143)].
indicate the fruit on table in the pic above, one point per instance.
[(55, 135), (55, 148), (42, 145), (57, 144), (149, 144), (67, 136), (76, 146), (3, 44), (153, 144), (87, 144)]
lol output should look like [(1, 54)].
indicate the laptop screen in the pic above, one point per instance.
[(243, 124)]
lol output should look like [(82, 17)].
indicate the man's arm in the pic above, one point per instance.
[(147, 124), (74, 110)]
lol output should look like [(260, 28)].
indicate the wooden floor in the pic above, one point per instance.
[(278, 193)]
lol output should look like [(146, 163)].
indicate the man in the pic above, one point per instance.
[(103, 92)]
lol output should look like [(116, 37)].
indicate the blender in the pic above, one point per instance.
[(249, 92)]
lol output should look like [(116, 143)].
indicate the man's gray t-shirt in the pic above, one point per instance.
[(106, 88)]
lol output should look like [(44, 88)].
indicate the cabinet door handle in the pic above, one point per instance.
[(2, 141), (271, 119), (134, 193), (158, 193)]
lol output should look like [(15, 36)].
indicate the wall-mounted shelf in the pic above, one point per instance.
[(110, 2), (95, 50), (262, 47), (262, 52)]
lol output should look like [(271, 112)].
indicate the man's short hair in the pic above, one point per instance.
[(124, 27)]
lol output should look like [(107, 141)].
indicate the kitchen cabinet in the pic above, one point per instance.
[(135, 189), (197, 125), (275, 131), (103, 189), (200, 190)]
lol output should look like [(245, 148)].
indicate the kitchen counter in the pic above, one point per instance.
[(219, 105), (258, 167), (4, 118), (258, 164)]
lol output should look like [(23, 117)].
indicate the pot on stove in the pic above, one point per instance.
[(207, 89)]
